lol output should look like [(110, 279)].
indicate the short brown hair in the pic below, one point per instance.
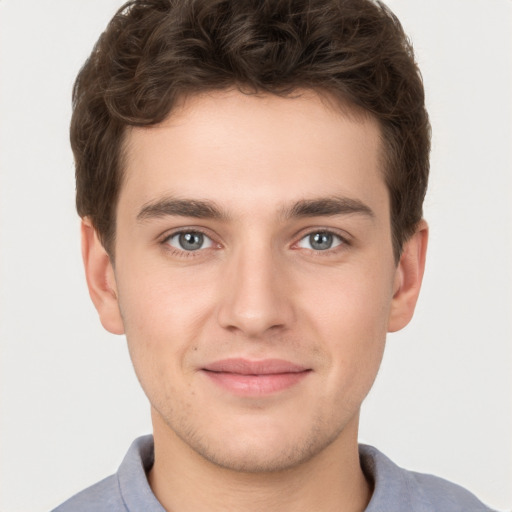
[(155, 51)]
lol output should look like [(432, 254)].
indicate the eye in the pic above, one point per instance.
[(320, 241), (189, 241)]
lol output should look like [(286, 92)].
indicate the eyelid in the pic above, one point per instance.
[(345, 238), (164, 238), (342, 235), (207, 242)]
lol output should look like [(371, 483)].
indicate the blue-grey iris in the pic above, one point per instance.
[(321, 241), (191, 241)]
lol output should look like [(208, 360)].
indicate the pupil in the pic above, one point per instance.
[(191, 241), (321, 241)]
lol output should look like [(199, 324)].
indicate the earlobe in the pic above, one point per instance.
[(408, 278), (100, 279)]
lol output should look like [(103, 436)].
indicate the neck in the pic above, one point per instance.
[(183, 481)]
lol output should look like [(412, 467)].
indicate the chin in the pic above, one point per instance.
[(257, 460), (265, 451)]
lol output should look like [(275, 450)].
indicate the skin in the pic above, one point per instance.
[(257, 289)]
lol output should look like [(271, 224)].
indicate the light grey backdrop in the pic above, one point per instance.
[(70, 404)]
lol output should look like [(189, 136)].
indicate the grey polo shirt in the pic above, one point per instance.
[(395, 489)]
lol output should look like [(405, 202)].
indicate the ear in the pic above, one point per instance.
[(408, 277), (100, 279)]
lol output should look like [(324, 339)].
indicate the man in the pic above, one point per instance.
[(250, 177)]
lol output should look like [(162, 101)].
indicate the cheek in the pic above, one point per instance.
[(159, 333), (163, 316), (160, 302), (350, 303), (349, 314)]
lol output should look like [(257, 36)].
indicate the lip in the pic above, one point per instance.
[(255, 378)]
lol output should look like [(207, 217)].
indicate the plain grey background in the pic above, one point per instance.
[(70, 404)]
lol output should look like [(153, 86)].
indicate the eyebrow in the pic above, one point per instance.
[(203, 209), (180, 207), (328, 206)]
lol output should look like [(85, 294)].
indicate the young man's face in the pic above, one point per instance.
[(254, 275)]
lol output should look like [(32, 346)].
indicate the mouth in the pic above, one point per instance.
[(255, 378)]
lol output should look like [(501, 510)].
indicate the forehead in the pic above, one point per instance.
[(263, 150)]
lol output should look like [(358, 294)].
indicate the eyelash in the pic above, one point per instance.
[(344, 242), (182, 253)]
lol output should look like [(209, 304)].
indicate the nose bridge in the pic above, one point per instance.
[(254, 297)]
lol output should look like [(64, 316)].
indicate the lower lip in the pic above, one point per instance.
[(256, 385)]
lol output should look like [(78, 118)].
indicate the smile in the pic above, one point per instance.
[(255, 378)]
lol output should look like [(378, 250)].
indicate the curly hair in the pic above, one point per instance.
[(154, 52)]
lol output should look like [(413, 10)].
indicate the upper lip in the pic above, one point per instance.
[(247, 367)]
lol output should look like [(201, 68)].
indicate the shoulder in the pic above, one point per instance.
[(101, 497), (399, 490), (444, 495), (127, 490)]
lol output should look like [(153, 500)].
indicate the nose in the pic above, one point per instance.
[(256, 295)]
